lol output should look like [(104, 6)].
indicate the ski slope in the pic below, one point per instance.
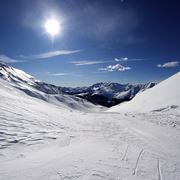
[(41, 140), (162, 97)]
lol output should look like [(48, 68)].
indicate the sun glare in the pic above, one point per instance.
[(52, 26)]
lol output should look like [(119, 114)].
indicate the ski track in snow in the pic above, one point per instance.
[(137, 161)]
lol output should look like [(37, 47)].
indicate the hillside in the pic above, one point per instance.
[(40, 90), (162, 97)]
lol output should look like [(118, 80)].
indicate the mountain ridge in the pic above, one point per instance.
[(103, 93), (108, 94)]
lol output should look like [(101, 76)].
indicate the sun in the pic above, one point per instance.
[(52, 26)]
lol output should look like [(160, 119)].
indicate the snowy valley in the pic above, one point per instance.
[(48, 134)]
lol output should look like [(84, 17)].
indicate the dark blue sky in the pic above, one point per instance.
[(104, 40)]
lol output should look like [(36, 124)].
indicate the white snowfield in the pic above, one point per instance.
[(162, 97), (43, 141)]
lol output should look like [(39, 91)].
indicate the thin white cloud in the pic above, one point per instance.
[(56, 74), (60, 74), (6, 59), (125, 59), (84, 63), (170, 64), (54, 53), (91, 62), (50, 54), (121, 59), (116, 67)]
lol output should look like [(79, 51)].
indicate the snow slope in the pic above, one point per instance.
[(162, 97), (40, 90), (40, 140)]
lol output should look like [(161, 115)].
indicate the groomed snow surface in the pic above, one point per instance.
[(46, 141)]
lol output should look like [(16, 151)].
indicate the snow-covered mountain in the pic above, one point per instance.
[(162, 97), (106, 94), (37, 89)]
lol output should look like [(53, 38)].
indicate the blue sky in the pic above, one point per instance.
[(125, 41)]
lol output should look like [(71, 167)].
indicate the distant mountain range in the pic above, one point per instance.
[(105, 94), (108, 94)]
